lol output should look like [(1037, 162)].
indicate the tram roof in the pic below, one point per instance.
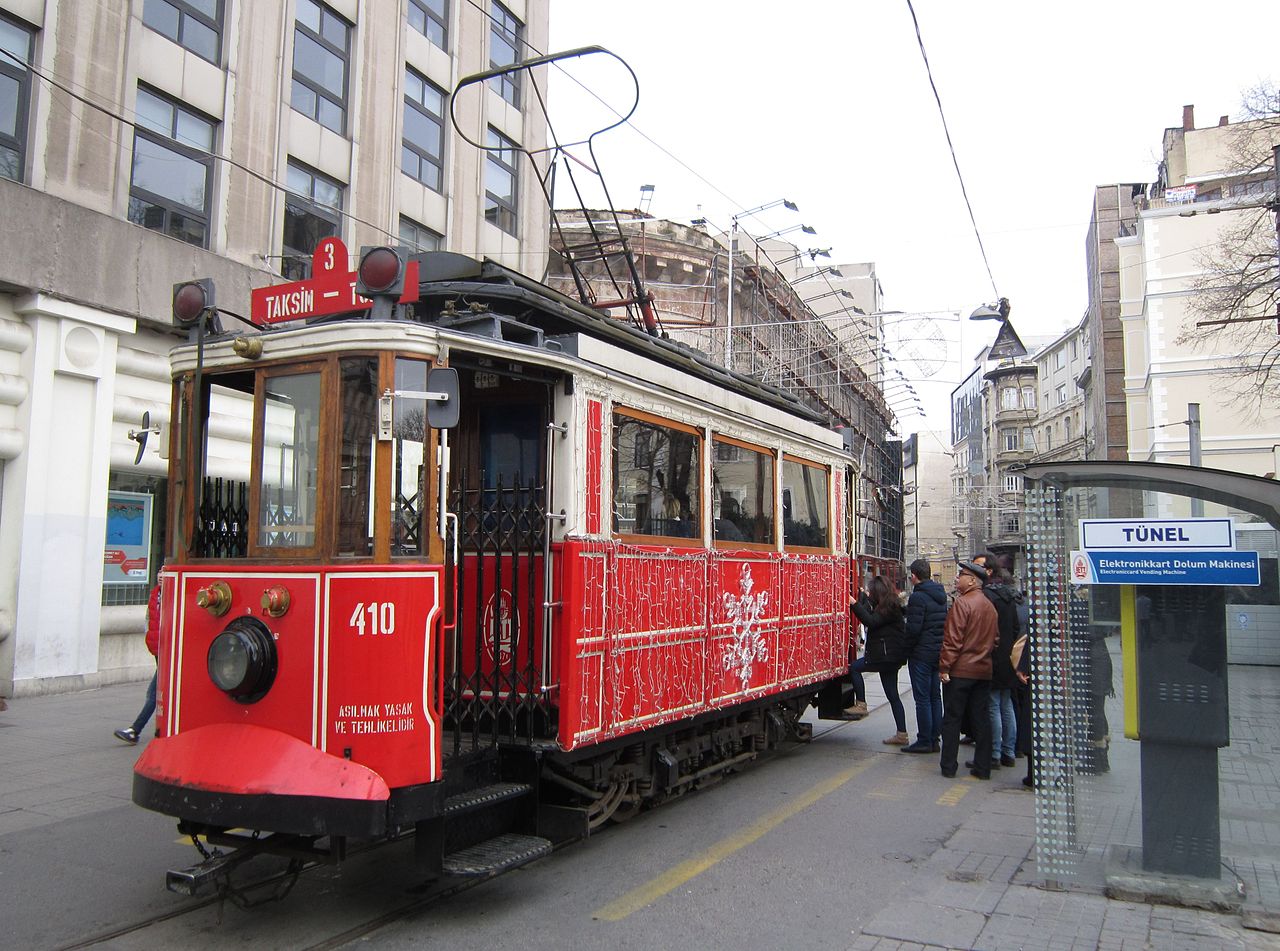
[(451, 276)]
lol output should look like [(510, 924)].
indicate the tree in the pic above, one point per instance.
[(1237, 305)]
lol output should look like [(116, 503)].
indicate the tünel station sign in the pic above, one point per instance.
[(331, 289), (1161, 551)]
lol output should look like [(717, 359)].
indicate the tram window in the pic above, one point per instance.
[(224, 498), (741, 494), (290, 461), (804, 505), (408, 459), (656, 471), (510, 445), (355, 474)]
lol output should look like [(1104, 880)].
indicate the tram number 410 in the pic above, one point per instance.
[(374, 618)]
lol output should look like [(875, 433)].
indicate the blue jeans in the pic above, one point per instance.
[(148, 706), (1004, 723), (926, 688), (889, 681)]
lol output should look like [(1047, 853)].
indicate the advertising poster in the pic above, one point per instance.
[(127, 551)]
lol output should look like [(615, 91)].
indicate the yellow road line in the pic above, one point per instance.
[(953, 795), (673, 878)]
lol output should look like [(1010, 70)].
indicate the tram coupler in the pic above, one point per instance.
[(189, 881)]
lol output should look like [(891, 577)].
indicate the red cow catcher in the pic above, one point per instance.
[(478, 563)]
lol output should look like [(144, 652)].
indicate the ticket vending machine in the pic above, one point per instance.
[(1183, 720)]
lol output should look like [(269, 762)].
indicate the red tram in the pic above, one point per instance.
[(482, 564)]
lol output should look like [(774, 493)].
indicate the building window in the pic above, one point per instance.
[(500, 191), (1010, 524), (1009, 397), (1028, 397), (170, 183), (1028, 438), (506, 35), (1066, 429), (431, 19), (195, 25), (15, 91), (1060, 394), (1075, 348), (321, 40), (423, 152), (1012, 483), (1059, 358), (1048, 437), (1010, 438), (312, 210), (417, 238)]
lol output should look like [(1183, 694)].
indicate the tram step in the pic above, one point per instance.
[(503, 852), (484, 796)]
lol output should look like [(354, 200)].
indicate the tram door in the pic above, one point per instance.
[(498, 495)]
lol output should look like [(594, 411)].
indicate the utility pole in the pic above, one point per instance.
[(1193, 443)]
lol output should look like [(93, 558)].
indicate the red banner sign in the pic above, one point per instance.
[(331, 289)]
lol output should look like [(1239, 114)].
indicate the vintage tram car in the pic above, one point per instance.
[(479, 562)]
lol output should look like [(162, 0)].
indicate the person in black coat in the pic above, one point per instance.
[(881, 615), (926, 614)]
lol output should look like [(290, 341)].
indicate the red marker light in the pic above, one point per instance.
[(380, 269), (189, 302)]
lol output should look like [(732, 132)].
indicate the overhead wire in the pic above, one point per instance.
[(951, 147)]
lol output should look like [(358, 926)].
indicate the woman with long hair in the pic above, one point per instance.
[(880, 612)]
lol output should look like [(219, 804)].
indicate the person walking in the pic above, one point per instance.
[(130, 734), (926, 615), (964, 667), (880, 612), (1004, 598)]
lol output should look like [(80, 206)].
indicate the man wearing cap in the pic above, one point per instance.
[(968, 638)]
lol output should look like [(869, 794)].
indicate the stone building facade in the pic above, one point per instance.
[(149, 142)]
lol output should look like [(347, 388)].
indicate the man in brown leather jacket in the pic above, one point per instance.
[(968, 638)]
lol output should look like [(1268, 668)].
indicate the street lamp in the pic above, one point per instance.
[(836, 293), (997, 311), (834, 272), (814, 254), (733, 250), (776, 234)]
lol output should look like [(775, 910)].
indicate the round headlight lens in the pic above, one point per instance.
[(242, 660)]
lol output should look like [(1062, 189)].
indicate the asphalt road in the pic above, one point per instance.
[(799, 850)]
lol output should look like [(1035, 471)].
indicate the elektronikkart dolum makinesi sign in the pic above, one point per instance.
[(1161, 551)]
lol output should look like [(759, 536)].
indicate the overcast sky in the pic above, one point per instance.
[(827, 103)]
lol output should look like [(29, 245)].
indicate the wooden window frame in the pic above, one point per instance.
[(664, 541), (775, 488), (782, 535)]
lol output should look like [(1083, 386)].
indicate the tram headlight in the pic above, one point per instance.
[(242, 660)]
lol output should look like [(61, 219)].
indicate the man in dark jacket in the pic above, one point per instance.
[(1004, 598), (964, 666), (926, 613)]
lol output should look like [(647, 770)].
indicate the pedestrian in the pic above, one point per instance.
[(880, 612), (926, 615), (964, 667), (1004, 598), (130, 734)]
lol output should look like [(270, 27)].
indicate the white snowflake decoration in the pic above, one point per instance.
[(748, 644)]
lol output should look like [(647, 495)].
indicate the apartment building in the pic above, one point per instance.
[(146, 142)]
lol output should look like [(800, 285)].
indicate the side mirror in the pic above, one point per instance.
[(443, 413)]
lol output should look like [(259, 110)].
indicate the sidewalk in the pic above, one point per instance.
[(992, 898), (58, 760)]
